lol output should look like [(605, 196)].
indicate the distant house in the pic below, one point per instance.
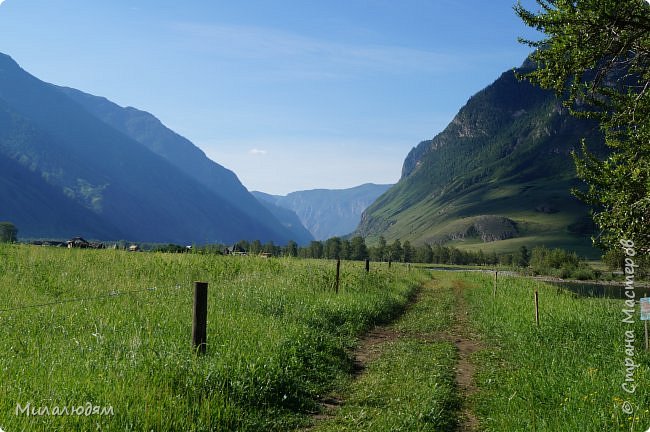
[(48, 243), (265, 254), (235, 250), (77, 242), (134, 248)]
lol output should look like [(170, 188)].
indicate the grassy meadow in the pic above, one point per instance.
[(564, 375), (112, 329), (278, 337)]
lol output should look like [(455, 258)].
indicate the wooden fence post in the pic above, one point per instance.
[(338, 274), (495, 283), (389, 262), (200, 317), (536, 308), (367, 265)]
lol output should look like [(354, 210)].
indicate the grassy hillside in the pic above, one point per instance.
[(505, 155)]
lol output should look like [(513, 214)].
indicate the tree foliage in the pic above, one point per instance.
[(358, 249), (596, 56), (8, 232)]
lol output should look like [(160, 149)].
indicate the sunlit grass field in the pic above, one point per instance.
[(278, 337), (566, 374)]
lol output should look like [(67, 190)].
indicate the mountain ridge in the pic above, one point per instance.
[(328, 212), (148, 130), (132, 191), (506, 154)]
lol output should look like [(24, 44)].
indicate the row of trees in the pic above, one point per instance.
[(397, 251), (539, 260)]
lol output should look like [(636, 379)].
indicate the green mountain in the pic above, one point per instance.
[(88, 177), (328, 212), (498, 177)]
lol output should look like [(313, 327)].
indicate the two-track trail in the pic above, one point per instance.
[(466, 344), (415, 373)]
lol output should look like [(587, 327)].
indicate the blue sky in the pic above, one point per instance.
[(290, 95)]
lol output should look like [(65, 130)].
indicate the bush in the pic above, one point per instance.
[(583, 274), (559, 263)]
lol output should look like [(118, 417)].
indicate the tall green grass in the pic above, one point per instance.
[(277, 337), (564, 375)]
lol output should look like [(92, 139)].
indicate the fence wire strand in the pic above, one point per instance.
[(111, 294)]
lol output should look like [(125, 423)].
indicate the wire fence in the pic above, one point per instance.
[(111, 294)]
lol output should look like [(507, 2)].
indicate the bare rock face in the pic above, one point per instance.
[(488, 228)]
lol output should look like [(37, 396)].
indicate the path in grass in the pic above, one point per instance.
[(414, 374), (466, 344)]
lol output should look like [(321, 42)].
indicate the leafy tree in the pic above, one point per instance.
[(522, 257), (358, 249), (332, 248), (596, 55), (255, 247), (170, 248), (381, 249), (407, 252), (441, 254), (292, 248), (455, 256), (506, 259), (8, 232), (270, 248), (346, 249), (424, 254), (315, 249), (395, 250)]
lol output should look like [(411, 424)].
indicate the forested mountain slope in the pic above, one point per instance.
[(497, 177)]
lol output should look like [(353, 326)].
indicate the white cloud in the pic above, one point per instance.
[(257, 152), (293, 164), (1, 1), (308, 56)]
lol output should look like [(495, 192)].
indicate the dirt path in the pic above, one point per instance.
[(372, 344), (466, 345)]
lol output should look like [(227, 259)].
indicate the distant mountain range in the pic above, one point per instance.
[(498, 177), (76, 164), (288, 218), (327, 212)]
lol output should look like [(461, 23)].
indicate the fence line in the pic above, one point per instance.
[(80, 299)]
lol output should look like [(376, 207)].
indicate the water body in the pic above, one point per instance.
[(501, 272), (613, 290), (592, 289)]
